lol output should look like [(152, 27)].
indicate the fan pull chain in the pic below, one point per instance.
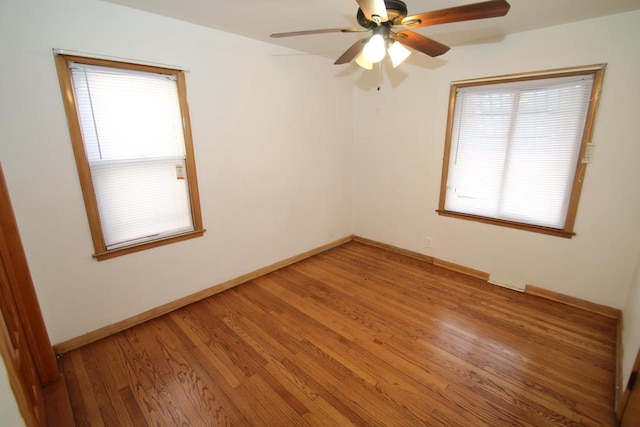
[(379, 75)]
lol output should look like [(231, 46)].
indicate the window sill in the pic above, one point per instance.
[(101, 256), (511, 224)]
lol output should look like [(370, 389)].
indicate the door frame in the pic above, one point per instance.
[(21, 285), (624, 400), (19, 306)]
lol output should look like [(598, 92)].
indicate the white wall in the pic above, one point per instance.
[(399, 144), (631, 327), (272, 135), (9, 412)]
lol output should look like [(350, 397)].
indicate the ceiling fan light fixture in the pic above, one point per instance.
[(388, 21), (398, 53), (362, 61), (375, 49)]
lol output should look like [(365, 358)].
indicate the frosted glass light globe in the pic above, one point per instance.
[(398, 53), (374, 50)]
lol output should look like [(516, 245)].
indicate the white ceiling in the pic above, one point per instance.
[(257, 19)]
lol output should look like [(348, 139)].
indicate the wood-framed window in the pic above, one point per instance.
[(517, 147), (131, 137)]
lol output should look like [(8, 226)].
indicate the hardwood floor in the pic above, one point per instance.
[(355, 336)]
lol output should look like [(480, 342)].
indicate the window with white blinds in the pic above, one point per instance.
[(514, 148), (130, 119)]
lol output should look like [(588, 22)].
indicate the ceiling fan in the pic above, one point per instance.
[(391, 29)]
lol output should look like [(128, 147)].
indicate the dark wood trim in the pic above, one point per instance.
[(24, 343), (620, 386), (461, 269), (395, 249), (14, 351), (21, 285), (57, 404), (604, 310), (622, 403), (510, 224), (147, 245), (82, 163), (447, 148), (587, 136)]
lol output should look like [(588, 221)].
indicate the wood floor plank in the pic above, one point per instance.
[(203, 351), (89, 399), (131, 407), (75, 390), (146, 393), (106, 391), (194, 395), (212, 373), (358, 335)]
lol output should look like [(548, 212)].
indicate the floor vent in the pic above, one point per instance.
[(509, 281)]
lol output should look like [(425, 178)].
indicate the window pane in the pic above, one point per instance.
[(141, 200), (479, 152), (543, 157), (514, 149), (132, 130), (128, 115)]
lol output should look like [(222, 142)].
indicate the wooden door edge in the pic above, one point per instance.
[(622, 404)]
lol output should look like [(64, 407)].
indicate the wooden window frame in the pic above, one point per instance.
[(597, 71), (82, 162)]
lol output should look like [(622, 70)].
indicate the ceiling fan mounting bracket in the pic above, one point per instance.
[(383, 30), (396, 11)]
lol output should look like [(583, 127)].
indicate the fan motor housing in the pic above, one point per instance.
[(396, 11)]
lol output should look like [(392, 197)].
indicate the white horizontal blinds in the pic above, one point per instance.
[(478, 151), (544, 151), (133, 136), (514, 149)]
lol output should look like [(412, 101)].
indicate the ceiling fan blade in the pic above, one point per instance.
[(374, 7), (487, 9), (352, 52), (421, 43), (322, 31)]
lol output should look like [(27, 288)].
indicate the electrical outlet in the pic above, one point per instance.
[(428, 242)]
